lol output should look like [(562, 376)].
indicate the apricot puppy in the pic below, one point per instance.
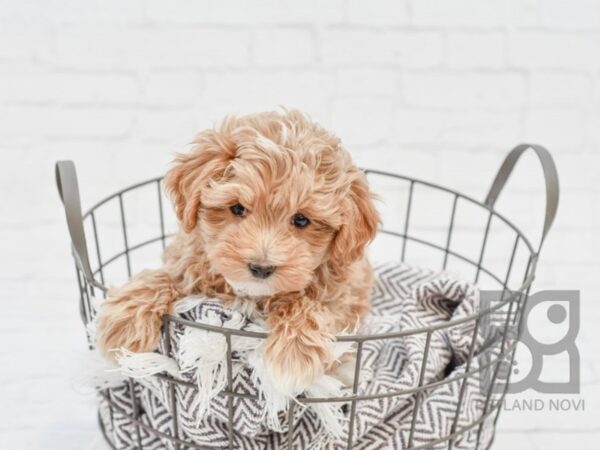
[(273, 212)]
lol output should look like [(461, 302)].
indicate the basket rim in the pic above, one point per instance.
[(412, 180)]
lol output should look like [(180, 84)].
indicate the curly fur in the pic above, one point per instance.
[(276, 165)]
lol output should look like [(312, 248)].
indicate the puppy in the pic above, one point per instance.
[(272, 211)]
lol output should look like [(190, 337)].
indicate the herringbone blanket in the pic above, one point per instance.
[(404, 298)]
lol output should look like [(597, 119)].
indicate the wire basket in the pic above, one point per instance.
[(512, 275)]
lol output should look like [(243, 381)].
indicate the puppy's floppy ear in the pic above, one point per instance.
[(360, 222), (211, 154)]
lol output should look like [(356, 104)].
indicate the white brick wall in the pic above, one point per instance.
[(439, 90)]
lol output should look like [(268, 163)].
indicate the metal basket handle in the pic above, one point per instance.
[(68, 189), (550, 177)]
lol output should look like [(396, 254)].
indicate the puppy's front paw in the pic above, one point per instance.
[(138, 331), (294, 364), (132, 316)]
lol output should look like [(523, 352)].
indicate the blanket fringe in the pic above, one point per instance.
[(143, 365)]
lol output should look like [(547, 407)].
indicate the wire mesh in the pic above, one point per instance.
[(509, 307)]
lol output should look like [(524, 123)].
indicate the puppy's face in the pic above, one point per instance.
[(262, 224), (272, 198)]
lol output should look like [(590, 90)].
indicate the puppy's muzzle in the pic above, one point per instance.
[(261, 272)]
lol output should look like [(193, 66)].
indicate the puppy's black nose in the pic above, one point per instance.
[(259, 271)]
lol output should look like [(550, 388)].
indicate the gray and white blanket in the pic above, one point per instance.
[(403, 298)]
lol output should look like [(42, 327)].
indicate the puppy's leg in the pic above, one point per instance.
[(131, 316), (296, 351)]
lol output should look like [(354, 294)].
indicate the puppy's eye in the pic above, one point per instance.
[(238, 210), (299, 221)]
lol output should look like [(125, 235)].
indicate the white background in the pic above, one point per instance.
[(436, 90)]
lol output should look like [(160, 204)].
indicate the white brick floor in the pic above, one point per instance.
[(438, 90)]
